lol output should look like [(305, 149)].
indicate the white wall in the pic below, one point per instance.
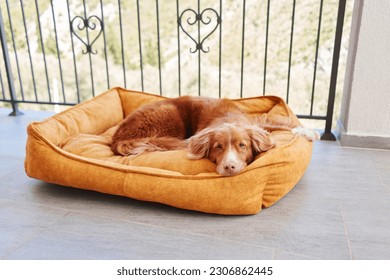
[(365, 111)]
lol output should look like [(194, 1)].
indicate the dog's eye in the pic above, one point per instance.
[(242, 145), (218, 146)]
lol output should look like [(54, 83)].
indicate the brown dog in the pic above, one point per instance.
[(207, 127)]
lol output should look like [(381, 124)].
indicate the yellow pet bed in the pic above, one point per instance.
[(72, 148)]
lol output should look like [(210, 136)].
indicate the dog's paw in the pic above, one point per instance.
[(124, 148), (309, 134)]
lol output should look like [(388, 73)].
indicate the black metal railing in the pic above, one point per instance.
[(63, 52)]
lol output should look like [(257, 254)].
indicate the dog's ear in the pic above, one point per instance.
[(261, 140), (199, 144)]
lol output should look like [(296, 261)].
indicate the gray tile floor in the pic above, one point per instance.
[(339, 210)]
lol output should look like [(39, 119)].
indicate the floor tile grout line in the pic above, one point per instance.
[(186, 232), (346, 230), (386, 186), (208, 236), (25, 242), (69, 211), (10, 173), (33, 236), (380, 177), (66, 209)]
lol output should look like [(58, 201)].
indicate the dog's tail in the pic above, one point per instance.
[(286, 124), (146, 145)]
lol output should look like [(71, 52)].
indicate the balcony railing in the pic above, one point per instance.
[(61, 52)]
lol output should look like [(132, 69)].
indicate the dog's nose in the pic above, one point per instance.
[(230, 167)]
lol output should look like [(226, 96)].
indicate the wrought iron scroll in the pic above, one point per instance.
[(199, 18), (87, 24)]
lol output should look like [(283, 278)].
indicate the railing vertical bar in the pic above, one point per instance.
[(105, 44), (316, 59), (29, 51), (7, 64), (74, 56), (15, 51), (242, 47), (58, 51), (122, 48), (199, 53), (43, 49), (290, 52), (158, 46), (266, 48), (140, 47), (2, 86), (178, 47), (220, 52), (335, 66), (89, 53)]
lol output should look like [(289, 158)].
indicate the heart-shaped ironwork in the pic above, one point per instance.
[(199, 17), (87, 24)]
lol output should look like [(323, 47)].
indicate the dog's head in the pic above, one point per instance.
[(231, 147)]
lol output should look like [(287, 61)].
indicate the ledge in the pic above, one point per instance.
[(361, 141)]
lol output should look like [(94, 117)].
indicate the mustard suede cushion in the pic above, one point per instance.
[(72, 148)]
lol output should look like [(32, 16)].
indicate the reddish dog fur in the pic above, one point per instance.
[(206, 127)]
